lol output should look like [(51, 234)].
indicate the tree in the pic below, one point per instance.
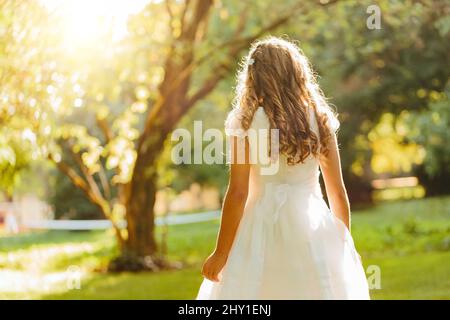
[(430, 129), (124, 124)]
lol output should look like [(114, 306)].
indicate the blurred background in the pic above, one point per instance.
[(91, 205)]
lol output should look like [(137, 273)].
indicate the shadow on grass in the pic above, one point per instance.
[(181, 284), (418, 276), (31, 239)]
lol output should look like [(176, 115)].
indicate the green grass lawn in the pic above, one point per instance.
[(409, 241)]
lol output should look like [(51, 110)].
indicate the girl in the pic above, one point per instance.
[(278, 239)]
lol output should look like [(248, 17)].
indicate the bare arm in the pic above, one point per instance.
[(233, 208), (330, 166)]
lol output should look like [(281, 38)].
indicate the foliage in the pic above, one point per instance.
[(101, 104), (69, 202), (431, 130), (15, 159), (114, 131)]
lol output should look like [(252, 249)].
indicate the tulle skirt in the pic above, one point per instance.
[(290, 246)]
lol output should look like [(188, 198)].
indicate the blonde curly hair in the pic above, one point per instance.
[(277, 76)]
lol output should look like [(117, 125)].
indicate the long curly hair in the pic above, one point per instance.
[(277, 76)]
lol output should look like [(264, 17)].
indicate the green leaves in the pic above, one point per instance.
[(7, 155), (443, 25), (15, 158), (431, 129)]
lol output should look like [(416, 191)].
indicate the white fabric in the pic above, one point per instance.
[(288, 244), (233, 125)]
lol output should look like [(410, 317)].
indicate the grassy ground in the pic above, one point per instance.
[(409, 241)]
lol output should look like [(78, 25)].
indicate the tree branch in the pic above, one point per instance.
[(88, 176), (187, 36), (242, 23), (80, 183), (245, 41), (236, 46), (201, 12), (106, 130), (104, 182), (74, 177), (171, 16), (94, 193), (183, 15)]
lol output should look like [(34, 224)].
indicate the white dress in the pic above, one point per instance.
[(289, 245)]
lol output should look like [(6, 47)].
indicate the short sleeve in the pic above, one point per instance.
[(333, 122), (233, 124)]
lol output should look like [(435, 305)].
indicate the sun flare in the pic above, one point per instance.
[(85, 21)]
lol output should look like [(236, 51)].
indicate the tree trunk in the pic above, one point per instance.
[(140, 250), (140, 218)]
